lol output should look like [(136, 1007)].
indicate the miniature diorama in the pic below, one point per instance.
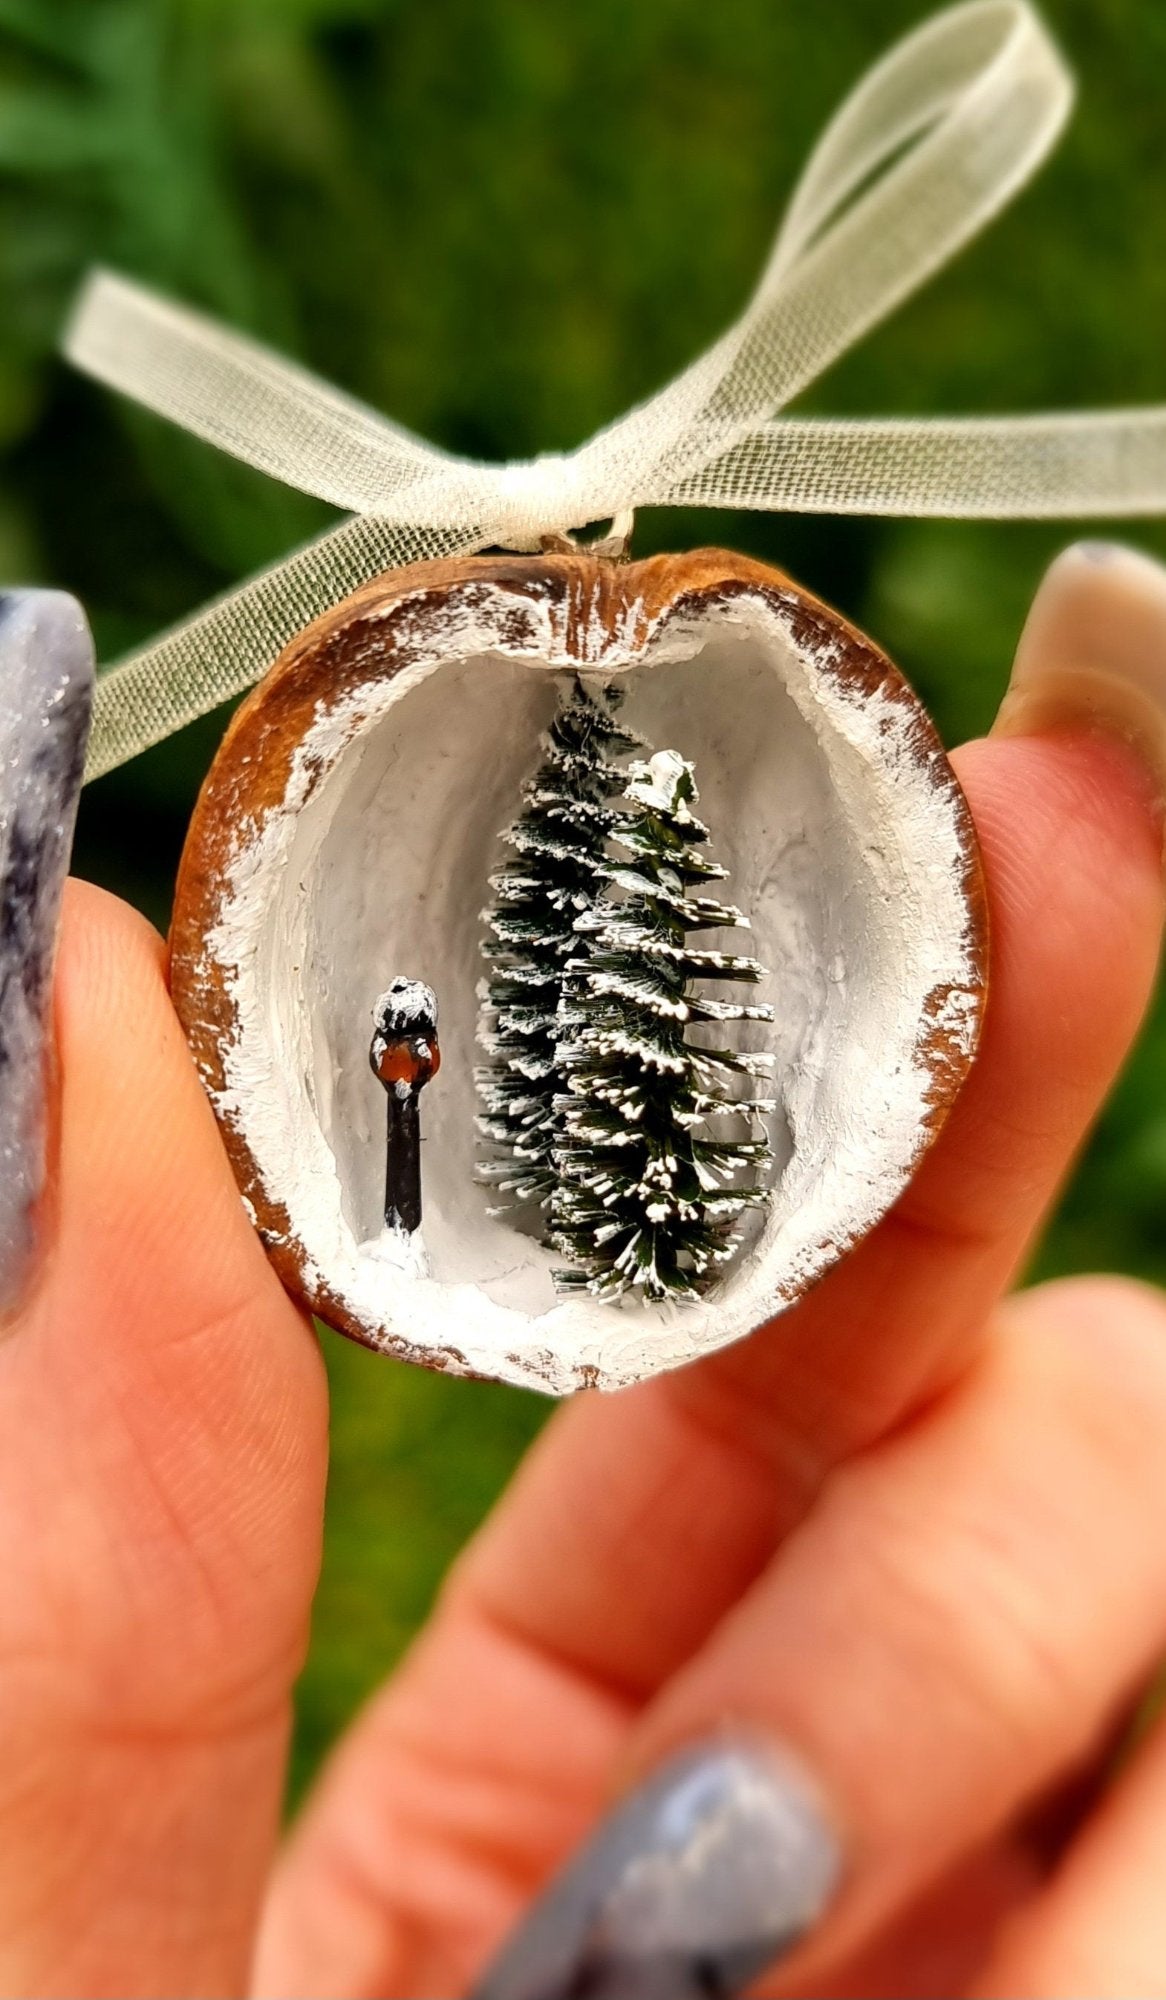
[(644, 1142)]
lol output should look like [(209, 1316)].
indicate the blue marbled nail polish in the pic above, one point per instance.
[(698, 1881), (46, 694)]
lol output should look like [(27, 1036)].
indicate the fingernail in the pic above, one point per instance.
[(698, 1881), (46, 693), (1093, 651)]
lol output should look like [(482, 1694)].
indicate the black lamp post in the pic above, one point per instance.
[(404, 1055)]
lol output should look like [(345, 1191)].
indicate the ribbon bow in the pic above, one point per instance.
[(934, 140)]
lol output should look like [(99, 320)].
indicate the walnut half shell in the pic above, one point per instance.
[(345, 834)]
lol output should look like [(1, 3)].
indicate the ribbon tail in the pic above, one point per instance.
[(1057, 466), (233, 641), (256, 405)]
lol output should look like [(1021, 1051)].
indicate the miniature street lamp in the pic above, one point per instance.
[(404, 1055)]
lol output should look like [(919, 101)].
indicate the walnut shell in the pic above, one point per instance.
[(345, 834)]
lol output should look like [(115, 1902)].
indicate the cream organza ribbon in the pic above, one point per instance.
[(936, 138)]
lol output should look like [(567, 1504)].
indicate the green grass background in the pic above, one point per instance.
[(502, 221)]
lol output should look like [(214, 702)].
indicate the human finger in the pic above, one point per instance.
[(955, 1624), (161, 1429)]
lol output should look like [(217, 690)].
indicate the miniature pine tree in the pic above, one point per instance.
[(560, 843), (658, 1155)]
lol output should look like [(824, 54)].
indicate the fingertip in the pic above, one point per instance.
[(1071, 834), (109, 973), (144, 1201), (1110, 1330), (98, 928), (1065, 784), (1071, 844), (124, 1069), (1092, 653)]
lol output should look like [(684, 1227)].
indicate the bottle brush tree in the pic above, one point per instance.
[(552, 881), (660, 1145)]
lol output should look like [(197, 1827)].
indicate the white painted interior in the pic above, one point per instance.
[(840, 846)]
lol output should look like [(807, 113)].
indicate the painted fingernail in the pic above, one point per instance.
[(698, 1881), (1093, 651), (46, 694)]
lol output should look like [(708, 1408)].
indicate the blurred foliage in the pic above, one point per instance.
[(502, 224)]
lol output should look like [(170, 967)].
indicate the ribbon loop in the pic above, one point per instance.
[(937, 137)]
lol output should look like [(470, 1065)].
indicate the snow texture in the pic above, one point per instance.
[(407, 1007), (402, 1250)]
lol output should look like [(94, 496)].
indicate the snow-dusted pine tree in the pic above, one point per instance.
[(560, 844), (660, 1142)]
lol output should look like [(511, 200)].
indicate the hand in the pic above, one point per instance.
[(842, 1620)]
